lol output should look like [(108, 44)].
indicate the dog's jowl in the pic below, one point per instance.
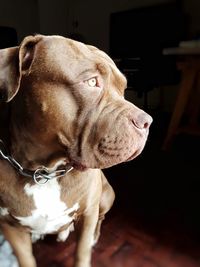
[(63, 119)]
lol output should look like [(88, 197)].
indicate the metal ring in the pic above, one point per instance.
[(38, 177)]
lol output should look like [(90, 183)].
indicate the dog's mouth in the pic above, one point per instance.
[(134, 155), (109, 153), (78, 166)]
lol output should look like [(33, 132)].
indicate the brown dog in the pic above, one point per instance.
[(69, 115)]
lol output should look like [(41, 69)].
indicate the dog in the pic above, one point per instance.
[(63, 119)]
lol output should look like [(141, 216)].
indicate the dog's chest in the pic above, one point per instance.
[(50, 213)]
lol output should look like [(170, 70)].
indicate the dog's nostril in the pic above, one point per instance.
[(142, 121), (146, 125)]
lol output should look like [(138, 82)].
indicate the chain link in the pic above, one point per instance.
[(41, 175)]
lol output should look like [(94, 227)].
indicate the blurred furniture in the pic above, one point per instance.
[(137, 38), (188, 98), (8, 37)]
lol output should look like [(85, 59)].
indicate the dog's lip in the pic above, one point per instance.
[(140, 148), (134, 155), (78, 166)]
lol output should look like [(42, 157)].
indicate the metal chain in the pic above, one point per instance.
[(41, 175)]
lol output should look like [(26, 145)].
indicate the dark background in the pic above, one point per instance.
[(91, 21), (160, 189)]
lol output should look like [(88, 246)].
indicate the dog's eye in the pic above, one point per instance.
[(93, 82)]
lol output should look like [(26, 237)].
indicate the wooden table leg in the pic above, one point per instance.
[(187, 83), (194, 107)]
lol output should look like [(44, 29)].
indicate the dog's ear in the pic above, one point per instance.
[(15, 62)]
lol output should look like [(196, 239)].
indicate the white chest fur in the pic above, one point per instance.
[(50, 213)]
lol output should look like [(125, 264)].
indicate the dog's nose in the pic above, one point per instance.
[(142, 120)]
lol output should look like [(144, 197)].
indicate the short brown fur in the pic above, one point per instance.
[(52, 113)]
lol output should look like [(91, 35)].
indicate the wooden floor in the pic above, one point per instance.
[(125, 243)]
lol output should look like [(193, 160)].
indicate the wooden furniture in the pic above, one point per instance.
[(188, 98)]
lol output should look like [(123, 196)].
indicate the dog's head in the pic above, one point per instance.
[(70, 95)]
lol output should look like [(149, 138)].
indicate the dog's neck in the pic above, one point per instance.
[(29, 150), (4, 125)]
